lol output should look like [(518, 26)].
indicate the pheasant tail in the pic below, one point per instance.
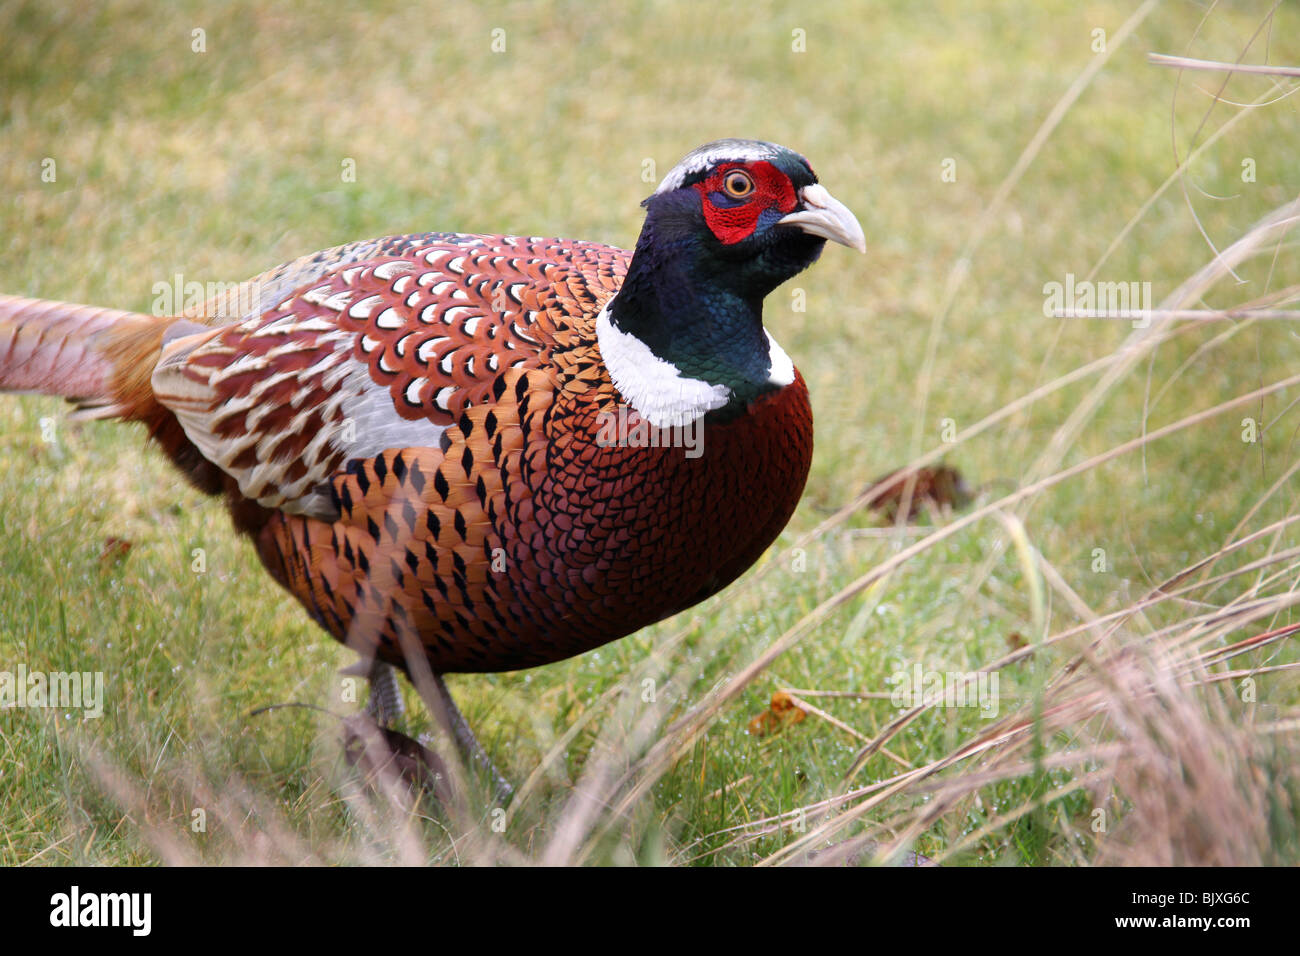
[(99, 358)]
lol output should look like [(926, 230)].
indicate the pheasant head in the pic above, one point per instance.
[(684, 337)]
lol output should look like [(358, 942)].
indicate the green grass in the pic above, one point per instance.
[(217, 165)]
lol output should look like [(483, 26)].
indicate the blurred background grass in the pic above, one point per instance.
[(218, 164)]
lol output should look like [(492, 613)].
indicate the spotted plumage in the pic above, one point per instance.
[(407, 427)]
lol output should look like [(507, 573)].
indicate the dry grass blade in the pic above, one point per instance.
[(1218, 66)]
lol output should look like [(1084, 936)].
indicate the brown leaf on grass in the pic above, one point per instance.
[(941, 488), (780, 712), (114, 551)]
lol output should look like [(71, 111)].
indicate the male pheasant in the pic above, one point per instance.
[(415, 431)]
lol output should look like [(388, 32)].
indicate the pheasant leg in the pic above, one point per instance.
[(385, 704), (385, 707), (470, 749)]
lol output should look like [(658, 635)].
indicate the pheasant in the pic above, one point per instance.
[(483, 452)]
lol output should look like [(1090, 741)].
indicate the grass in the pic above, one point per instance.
[(219, 164)]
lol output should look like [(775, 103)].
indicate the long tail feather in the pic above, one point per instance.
[(99, 358)]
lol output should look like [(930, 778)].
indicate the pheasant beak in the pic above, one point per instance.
[(824, 215)]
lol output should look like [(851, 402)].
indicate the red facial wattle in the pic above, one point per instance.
[(733, 219)]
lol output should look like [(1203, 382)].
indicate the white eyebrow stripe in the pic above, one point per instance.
[(727, 150)]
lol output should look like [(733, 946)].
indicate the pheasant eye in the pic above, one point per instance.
[(738, 184)]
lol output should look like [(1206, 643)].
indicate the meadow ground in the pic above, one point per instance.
[(1139, 715)]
